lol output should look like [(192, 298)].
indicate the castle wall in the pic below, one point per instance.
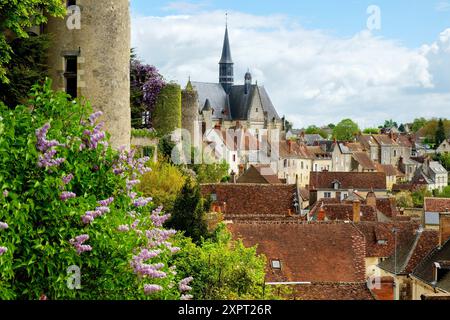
[(103, 47), (189, 112)]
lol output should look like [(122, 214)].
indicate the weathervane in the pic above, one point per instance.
[(226, 19)]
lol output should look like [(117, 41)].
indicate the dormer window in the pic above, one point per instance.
[(336, 185), (276, 264)]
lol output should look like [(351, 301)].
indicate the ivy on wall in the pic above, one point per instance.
[(167, 114)]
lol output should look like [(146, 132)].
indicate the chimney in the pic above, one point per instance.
[(290, 146), (356, 211), (444, 227), (371, 199), (233, 176), (321, 215)]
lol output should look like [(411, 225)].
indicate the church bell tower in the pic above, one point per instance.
[(226, 73)]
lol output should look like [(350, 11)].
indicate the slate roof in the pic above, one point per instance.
[(424, 270), (311, 252), (236, 106), (311, 139), (410, 252), (437, 168), (226, 50), (436, 204), (348, 180)]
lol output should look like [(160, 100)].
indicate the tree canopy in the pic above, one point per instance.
[(346, 130)]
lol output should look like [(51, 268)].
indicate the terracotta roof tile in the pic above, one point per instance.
[(436, 204), (311, 252), (364, 160), (347, 180), (333, 291)]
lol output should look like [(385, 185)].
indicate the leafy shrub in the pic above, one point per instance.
[(224, 269), (163, 183), (67, 199), (166, 116)]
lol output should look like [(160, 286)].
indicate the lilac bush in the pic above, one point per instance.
[(67, 198)]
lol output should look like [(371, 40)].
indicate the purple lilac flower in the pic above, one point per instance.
[(87, 218), (132, 183), (47, 160), (152, 288), (67, 179), (3, 225), (135, 224), (132, 195), (67, 195), (78, 243), (183, 285), (102, 210), (142, 202), (123, 228), (93, 117), (5, 193), (186, 297), (105, 203), (3, 250)]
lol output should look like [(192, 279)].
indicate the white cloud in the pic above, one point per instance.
[(443, 6), (312, 76)]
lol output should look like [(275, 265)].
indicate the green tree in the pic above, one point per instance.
[(331, 126), (371, 131), (224, 269), (440, 133), (346, 130), (16, 18), (418, 124), (402, 128), (189, 212), (26, 67), (445, 193), (404, 199), (163, 183), (418, 197), (316, 130), (390, 124)]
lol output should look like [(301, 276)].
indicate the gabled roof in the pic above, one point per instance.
[(384, 139), (380, 238), (437, 168), (364, 160), (252, 199), (259, 174), (388, 169), (295, 151), (342, 212), (348, 180), (424, 270), (410, 252), (217, 97), (323, 252), (436, 204), (240, 102)]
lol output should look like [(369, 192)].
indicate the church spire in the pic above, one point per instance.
[(226, 73)]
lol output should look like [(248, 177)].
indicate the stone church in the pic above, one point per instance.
[(225, 105)]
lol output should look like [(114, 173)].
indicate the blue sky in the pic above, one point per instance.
[(317, 59), (413, 22)]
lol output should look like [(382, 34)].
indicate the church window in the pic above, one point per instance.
[(71, 76)]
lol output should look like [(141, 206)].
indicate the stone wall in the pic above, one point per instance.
[(103, 47)]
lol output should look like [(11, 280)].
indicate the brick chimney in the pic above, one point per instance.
[(290, 145), (444, 227), (321, 214), (371, 199), (356, 211)]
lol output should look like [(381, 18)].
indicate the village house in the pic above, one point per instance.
[(432, 276), (408, 167), (444, 147), (340, 184), (409, 251), (432, 175), (321, 160), (342, 155), (393, 175), (222, 148), (433, 207), (317, 261), (387, 148), (361, 162), (294, 163)]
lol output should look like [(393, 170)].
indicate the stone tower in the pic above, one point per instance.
[(226, 72), (190, 111), (90, 57)]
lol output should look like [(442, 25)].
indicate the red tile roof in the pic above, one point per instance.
[(343, 211), (347, 180), (252, 199), (296, 150), (333, 291), (259, 174), (364, 160), (379, 236), (436, 204), (387, 206), (311, 252)]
